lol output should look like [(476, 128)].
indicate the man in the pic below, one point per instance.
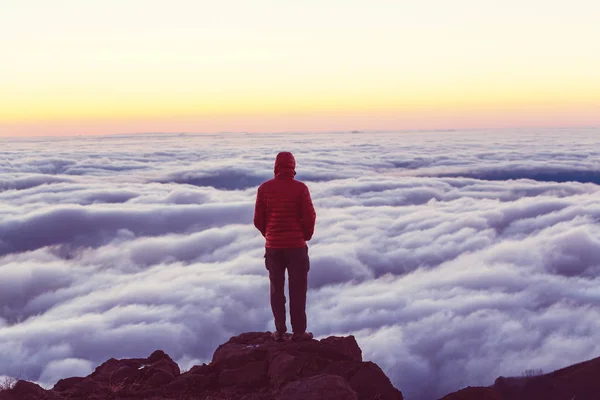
[(285, 216)]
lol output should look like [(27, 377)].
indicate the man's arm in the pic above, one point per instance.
[(259, 212), (309, 216)]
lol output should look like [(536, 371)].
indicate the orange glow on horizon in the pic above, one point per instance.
[(387, 66)]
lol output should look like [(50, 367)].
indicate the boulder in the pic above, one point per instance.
[(318, 387), (250, 375), (25, 390), (369, 382), (344, 345), (66, 384)]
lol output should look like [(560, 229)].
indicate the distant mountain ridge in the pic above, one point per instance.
[(576, 382)]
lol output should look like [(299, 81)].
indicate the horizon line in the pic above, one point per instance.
[(292, 132)]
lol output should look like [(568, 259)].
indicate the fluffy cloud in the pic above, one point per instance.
[(453, 257)]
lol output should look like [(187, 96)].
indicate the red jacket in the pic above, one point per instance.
[(284, 212)]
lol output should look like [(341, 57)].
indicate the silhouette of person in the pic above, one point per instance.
[(285, 216)]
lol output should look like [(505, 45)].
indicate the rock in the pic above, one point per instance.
[(319, 387), (198, 378), (250, 366), (191, 383), (240, 350), (345, 345), (164, 364), (66, 384), (369, 382), (25, 390), (579, 381), (473, 393), (123, 374), (157, 379), (200, 369), (85, 389), (158, 355), (283, 368), (252, 374)]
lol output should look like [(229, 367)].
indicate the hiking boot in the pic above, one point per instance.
[(302, 336), (277, 336)]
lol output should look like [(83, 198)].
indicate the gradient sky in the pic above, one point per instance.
[(82, 66)]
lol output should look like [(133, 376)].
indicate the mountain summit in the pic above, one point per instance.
[(251, 366)]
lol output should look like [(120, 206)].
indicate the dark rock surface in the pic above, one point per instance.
[(251, 366), (472, 393), (576, 382)]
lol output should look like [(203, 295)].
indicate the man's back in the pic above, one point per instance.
[(284, 212)]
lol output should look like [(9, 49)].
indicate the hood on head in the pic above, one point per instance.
[(285, 164)]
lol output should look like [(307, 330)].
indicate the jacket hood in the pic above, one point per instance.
[(285, 164)]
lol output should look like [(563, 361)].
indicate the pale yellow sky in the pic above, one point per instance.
[(76, 67)]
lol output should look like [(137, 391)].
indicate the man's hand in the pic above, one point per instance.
[(259, 213), (309, 216)]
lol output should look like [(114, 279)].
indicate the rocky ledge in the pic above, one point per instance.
[(251, 366), (576, 382)]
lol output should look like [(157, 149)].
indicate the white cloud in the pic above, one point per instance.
[(113, 247)]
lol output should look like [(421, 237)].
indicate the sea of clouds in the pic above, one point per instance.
[(453, 257)]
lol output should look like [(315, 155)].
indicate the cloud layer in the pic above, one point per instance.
[(453, 257)]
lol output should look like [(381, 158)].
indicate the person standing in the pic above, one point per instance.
[(284, 214)]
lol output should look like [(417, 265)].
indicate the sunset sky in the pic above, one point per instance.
[(115, 66)]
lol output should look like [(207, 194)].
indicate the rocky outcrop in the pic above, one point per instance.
[(251, 366), (576, 382)]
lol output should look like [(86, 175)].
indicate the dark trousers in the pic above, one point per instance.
[(297, 264)]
